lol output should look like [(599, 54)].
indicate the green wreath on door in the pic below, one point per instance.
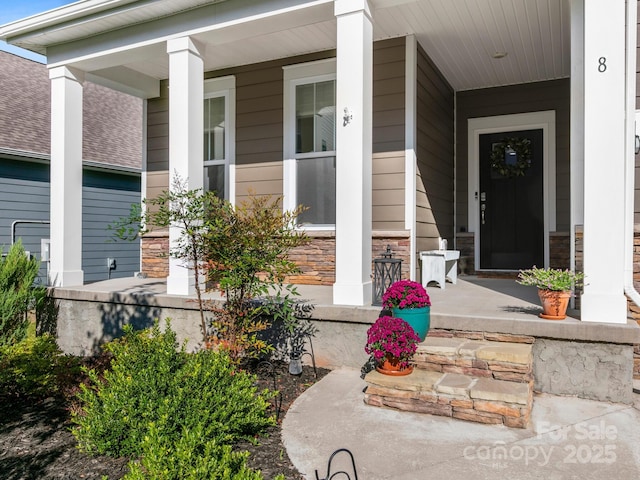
[(521, 147)]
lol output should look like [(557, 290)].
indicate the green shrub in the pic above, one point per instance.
[(33, 367), (190, 458), (151, 381), (17, 293)]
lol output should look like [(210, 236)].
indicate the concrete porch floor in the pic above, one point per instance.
[(471, 296)]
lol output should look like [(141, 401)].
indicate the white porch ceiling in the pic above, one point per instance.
[(461, 36)]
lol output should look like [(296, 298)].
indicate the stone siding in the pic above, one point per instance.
[(155, 255), (465, 243), (316, 259), (559, 250), (633, 308)]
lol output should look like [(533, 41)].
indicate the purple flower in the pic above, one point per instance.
[(405, 294), (394, 336)]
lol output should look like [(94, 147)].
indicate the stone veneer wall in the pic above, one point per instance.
[(465, 243), (316, 259), (155, 254), (559, 250), (633, 308)]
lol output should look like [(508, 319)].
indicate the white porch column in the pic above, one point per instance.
[(65, 268), (354, 91), (186, 97), (604, 161)]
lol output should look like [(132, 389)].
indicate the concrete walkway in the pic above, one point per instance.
[(568, 438)]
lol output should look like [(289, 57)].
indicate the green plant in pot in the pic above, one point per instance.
[(555, 288), (409, 300), (392, 342)]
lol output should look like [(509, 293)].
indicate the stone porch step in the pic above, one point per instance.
[(475, 380), (506, 361), (454, 395)]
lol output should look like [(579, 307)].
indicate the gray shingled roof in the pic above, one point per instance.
[(112, 122)]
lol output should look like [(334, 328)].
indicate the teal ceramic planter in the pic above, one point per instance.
[(418, 318)]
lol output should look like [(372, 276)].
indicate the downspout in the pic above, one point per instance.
[(455, 170), (629, 288), (410, 161)]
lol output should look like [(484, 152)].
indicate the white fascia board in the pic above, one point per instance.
[(183, 24), (65, 13)]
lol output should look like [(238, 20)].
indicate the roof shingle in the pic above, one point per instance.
[(112, 121)]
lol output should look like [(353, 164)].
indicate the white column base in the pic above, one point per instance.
[(72, 278), (603, 308), (181, 280), (354, 295)]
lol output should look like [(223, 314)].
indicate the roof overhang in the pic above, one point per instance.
[(122, 43)]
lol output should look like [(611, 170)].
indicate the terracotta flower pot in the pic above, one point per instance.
[(391, 366), (554, 304)]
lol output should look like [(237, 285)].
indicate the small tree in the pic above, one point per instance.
[(186, 209), (247, 258), (18, 294), (242, 251)]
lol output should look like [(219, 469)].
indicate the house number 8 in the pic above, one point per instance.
[(602, 64)]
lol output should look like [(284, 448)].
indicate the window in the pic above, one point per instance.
[(218, 136), (310, 133)]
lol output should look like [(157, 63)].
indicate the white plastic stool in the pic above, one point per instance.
[(438, 265)]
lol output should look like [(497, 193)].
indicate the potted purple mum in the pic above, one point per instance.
[(392, 343), (409, 300)]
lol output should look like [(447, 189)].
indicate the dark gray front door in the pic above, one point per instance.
[(511, 207)]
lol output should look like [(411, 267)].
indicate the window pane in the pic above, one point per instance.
[(316, 188), (214, 128), (214, 179), (304, 117), (325, 114)]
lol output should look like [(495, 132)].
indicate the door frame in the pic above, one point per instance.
[(545, 120)]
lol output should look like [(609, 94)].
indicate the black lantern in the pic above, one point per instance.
[(386, 270)]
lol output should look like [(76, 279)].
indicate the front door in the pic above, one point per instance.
[(511, 200)]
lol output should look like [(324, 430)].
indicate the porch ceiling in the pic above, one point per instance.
[(116, 39)]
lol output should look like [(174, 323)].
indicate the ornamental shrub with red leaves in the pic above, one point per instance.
[(393, 336), (405, 294)]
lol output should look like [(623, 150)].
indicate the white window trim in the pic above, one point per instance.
[(294, 75), (226, 87)]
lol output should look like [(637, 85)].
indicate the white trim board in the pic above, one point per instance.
[(546, 121)]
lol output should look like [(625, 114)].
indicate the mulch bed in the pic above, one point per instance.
[(36, 442)]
